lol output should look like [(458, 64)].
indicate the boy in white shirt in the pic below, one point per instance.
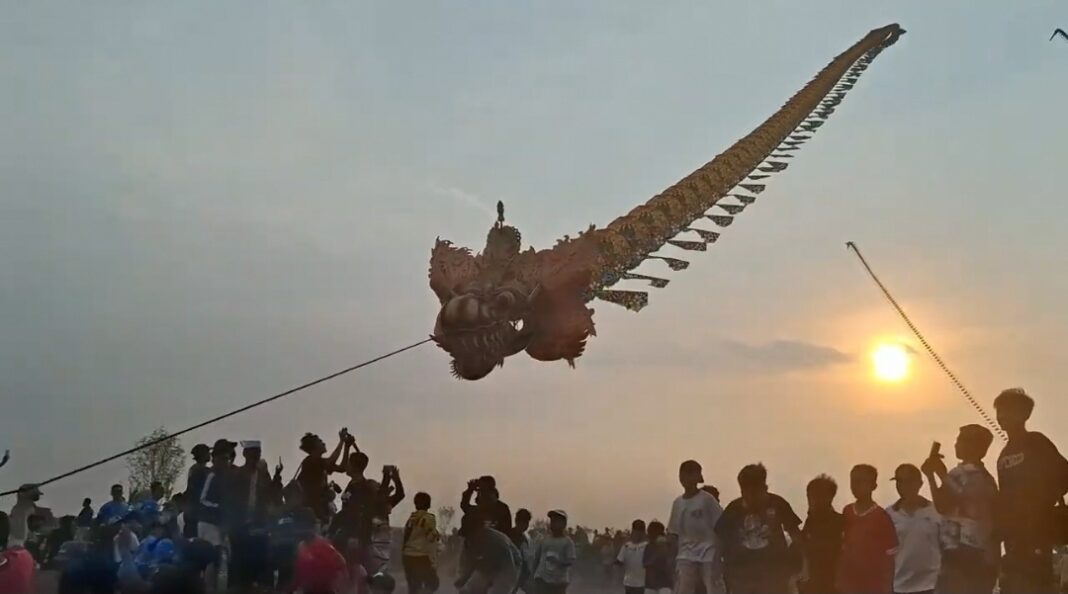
[(692, 528), (631, 557), (918, 559)]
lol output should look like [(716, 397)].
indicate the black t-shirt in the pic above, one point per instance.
[(823, 543), (756, 537), (658, 565), (1032, 476), (313, 484)]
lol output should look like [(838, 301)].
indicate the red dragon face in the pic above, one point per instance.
[(481, 324)]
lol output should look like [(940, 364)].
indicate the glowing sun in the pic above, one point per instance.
[(890, 362)]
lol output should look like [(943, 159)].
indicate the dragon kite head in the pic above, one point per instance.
[(503, 301)]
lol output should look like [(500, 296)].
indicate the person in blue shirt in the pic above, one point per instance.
[(114, 510)]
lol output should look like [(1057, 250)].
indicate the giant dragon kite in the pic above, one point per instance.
[(505, 300)]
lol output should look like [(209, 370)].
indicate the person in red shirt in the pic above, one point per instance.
[(16, 571), (869, 539)]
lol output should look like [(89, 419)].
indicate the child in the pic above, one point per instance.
[(658, 561), (692, 527), (421, 539), (918, 559), (631, 556), (822, 537), (554, 556), (868, 540)]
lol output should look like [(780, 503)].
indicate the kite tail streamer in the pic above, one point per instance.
[(927, 346)]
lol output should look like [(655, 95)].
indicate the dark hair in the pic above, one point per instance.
[(487, 482), (656, 528), (524, 513), (867, 470), (308, 441), (1015, 398), (690, 466), (711, 490), (422, 501), (359, 461), (116, 486), (86, 502), (637, 526), (979, 436), (823, 484), (753, 475)]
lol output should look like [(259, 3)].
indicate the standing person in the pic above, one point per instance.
[(918, 559), (822, 537), (658, 561), (19, 521), (522, 541), (194, 484), (1034, 477), (216, 513), (85, 516), (753, 530), (420, 548), (495, 560), (553, 557), (114, 510), (692, 531), (632, 558), (966, 498), (868, 539), (315, 470), (250, 562), (488, 505)]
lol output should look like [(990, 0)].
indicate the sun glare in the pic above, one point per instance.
[(891, 362)]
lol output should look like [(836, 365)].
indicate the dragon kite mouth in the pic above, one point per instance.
[(476, 352)]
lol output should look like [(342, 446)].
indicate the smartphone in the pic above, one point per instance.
[(936, 449)]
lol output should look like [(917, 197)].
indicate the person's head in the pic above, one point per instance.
[(487, 482), (29, 492), (558, 522), (87, 502), (655, 530), (252, 451), (973, 442), (358, 463), (422, 501), (522, 520), (821, 491), (862, 481), (711, 490), (753, 481), (157, 490), (908, 480), (1014, 408), (222, 454), (116, 493), (381, 583), (690, 475), (312, 445), (637, 530), (201, 453), (488, 496)]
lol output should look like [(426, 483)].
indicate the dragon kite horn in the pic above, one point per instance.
[(635, 237)]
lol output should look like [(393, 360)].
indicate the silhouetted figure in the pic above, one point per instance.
[(522, 541), (218, 506), (822, 537), (692, 531), (194, 484), (753, 530), (659, 561), (1034, 477), (868, 539), (918, 559), (113, 510), (85, 516), (966, 497), (250, 544), (632, 558), (315, 470)]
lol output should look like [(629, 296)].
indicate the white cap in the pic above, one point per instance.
[(251, 444), (558, 512)]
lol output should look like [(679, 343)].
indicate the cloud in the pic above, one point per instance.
[(727, 355)]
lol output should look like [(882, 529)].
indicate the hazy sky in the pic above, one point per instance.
[(202, 204)]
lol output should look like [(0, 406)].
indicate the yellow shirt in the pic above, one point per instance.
[(421, 535)]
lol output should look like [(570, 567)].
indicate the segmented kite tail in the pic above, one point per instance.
[(927, 346), (631, 239)]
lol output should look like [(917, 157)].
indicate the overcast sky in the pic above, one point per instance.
[(202, 204)]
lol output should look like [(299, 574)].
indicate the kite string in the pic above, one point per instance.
[(238, 411), (919, 335)]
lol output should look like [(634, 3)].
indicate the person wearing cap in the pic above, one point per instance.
[(553, 557), (248, 536), (216, 511), (19, 519), (692, 529), (1033, 477), (917, 524), (194, 483), (966, 497)]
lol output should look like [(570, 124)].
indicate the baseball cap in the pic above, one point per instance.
[(251, 444), (558, 513), (223, 445), (905, 471)]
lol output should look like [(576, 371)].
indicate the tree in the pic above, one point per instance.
[(161, 462), (446, 514)]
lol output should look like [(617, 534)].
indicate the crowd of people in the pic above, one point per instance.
[(242, 528)]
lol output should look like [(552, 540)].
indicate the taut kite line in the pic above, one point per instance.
[(504, 300)]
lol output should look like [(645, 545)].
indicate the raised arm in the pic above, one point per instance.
[(331, 462), (465, 500), (941, 494), (398, 494)]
